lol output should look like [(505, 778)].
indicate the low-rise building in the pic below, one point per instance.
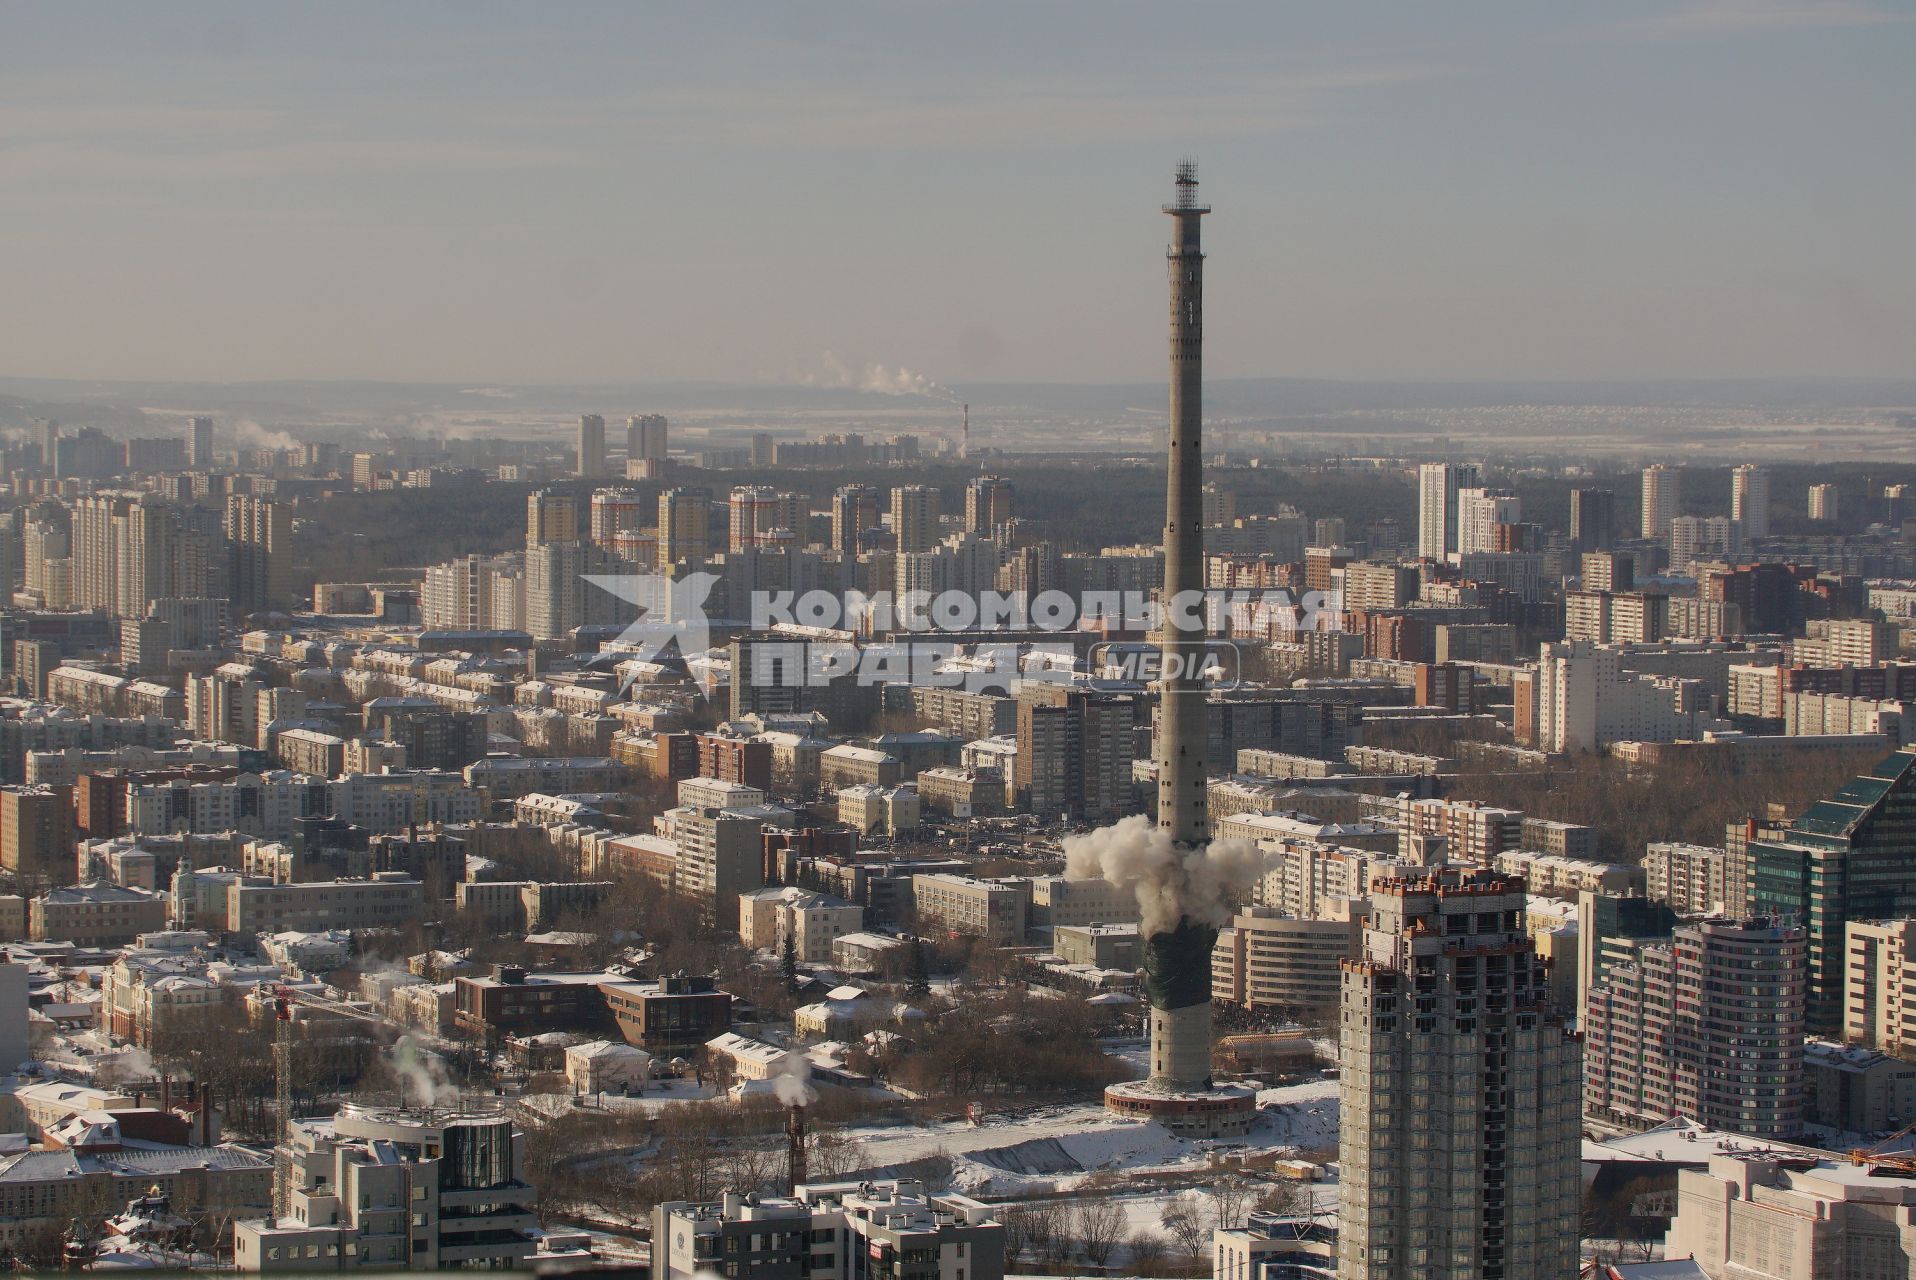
[(385, 900), (994, 910), (1557, 876), (843, 1231), (392, 1190), (1268, 962), (1057, 902), (1782, 1216), (95, 915), (1101, 946), (1855, 1090), (1695, 879)]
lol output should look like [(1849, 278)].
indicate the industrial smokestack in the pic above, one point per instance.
[(795, 1170)]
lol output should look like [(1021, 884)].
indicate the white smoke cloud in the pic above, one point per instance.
[(119, 1068), (1169, 882), (876, 378), (423, 1080), (248, 434), (792, 1082)]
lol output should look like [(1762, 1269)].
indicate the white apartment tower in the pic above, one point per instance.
[(199, 443), (1459, 1143), (1479, 512), (1437, 487), (1750, 500), (1662, 496)]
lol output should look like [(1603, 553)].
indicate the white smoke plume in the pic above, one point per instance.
[(1170, 883), (422, 1076), (248, 434), (792, 1081), (876, 378), (121, 1067)]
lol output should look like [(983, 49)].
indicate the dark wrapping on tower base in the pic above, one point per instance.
[(1177, 965)]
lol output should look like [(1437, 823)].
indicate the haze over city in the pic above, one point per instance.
[(620, 193)]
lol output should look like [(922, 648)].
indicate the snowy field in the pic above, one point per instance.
[(1058, 1148)]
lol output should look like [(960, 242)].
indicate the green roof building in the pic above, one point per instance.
[(1850, 857)]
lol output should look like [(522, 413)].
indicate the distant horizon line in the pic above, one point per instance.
[(471, 386)]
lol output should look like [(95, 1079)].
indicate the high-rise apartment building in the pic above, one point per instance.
[(1603, 916), (551, 517), (199, 443), (1437, 487), (645, 437), (1750, 500), (615, 511), (1823, 503), (1593, 519), (987, 504), (1459, 1139), (685, 526), (261, 535), (854, 514), (914, 517), (1479, 513), (1845, 858), (1879, 986), (1074, 753), (1662, 499), (1694, 538), (763, 517), (1706, 1024), (591, 446)]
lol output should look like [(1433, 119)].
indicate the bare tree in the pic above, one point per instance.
[(1228, 1200), (1183, 1219), (1044, 1232), (1099, 1226), (1148, 1252)]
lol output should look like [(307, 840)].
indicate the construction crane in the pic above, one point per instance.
[(284, 1000), (1878, 1160)]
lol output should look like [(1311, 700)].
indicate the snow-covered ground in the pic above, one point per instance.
[(1058, 1148)]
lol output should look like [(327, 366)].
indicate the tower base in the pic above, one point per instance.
[(1223, 1111)]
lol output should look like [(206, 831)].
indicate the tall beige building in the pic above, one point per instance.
[(914, 517), (645, 437), (1879, 985), (762, 517), (1823, 502), (1459, 1141), (551, 517), (1750, 499), (261, 534), (685, 519), (987, 504), (591, 445), (1662, 499)]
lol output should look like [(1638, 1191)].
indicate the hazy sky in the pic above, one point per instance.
[(581, 192)]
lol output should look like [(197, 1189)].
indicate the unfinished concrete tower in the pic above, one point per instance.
[(1179, 1092)]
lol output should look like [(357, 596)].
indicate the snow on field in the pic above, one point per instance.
[(1057, 1148)]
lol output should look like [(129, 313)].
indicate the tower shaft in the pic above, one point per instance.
[(1182, 733)]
